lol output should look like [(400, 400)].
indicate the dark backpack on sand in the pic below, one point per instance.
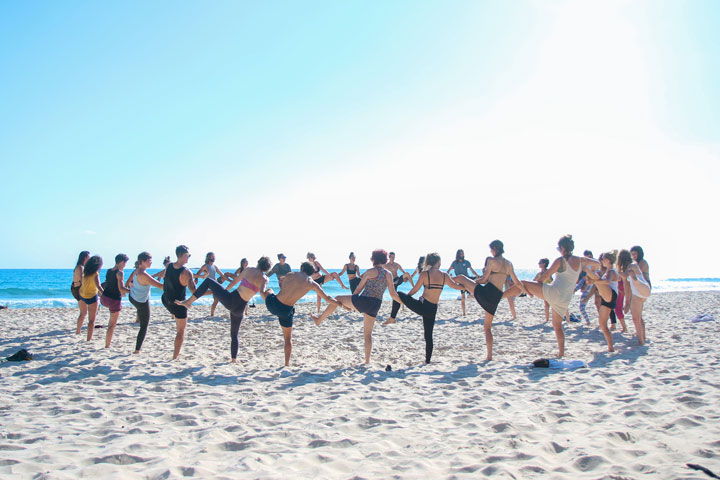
[(19, 356)]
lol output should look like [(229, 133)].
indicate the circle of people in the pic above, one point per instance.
[(620, 283)]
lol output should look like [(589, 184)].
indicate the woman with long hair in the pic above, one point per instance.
[(566, 270), (353, 272), (75, 285), (637, 290), (209, 270), (607, 287), (89, 289), (488, 289), (140, 295)]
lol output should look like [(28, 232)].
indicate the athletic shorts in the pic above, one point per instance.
[(178, 311), (612, 303), (284, 313), (367, 305), (114, 305), (90, 301)]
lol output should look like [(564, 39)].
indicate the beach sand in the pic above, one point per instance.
[(80, 410)]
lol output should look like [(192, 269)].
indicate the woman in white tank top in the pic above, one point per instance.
[(566, 270), (637, 290)]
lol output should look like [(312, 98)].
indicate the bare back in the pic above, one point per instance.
[(499, 269), (294, 287)]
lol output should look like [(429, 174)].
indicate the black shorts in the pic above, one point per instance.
[(320, 280), (367, 305), (397, 281), (75, 292), (612, 303), (284, 312), (354, 282), (178, 311), (488, 296)]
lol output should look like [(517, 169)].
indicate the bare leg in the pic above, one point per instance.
[(368, 324), (603, 321), (212, 309), (318, 303), (468, 283), (559, 334), (488, 335), (180, 323), (328, 311), (287, 336), (462, 300), (547, 312), (511, 302), (81, 318), (111, 328), (92, 315), (533, 288), (636, 308), (335, 276)]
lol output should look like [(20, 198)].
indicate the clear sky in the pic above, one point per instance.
[(251, 128)]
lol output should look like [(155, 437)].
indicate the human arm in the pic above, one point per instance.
[(552, 270), (318, 289), (189, 279), (97, 284), (417, 286), (202, 273), (485, 277), (144, 279), (121, 284), (361, 285), (235, 280), (159, 275), (452, 283), (129, 281), (474, 272), (516, 280), (344, 269)]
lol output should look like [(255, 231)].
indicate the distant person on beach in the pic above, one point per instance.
[(252, 280), (140, 295), (432, 280), (587, 289), (544, 263), (89, 289), (282, 305), (367, 298), (637, 290), (393, 267), (607, 286), (113, 291), (209, 270), (638, 256), (509, 283), (419, 268), (461, 266), (558, 294), (177, 279), (280, 269), (161, 274), (488, 289), (353, 272), (243, 265), (321, 278), (76, 282)]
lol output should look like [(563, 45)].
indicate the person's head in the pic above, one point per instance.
[(421, 263), (352, 257), (432, 260), (144, 260), (379, 257), (587, 254), (311, 256), (637, 253), (93, 265), (460, 255), (183, 254), (623, 261), (497, 248), (82, 258), (166, 261), (243, 264), (281, 258), (544, 263), (391, 256), (210, 257), (566, 245), (307, 268), (264, 264), (121, 260), (608, 259)]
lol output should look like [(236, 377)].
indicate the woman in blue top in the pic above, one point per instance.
[(139, 296), (461, 267)]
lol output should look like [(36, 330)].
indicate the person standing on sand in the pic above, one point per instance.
[(637, 290), (638, 256), (394, 267), (140, 295), (75, 285), (177, 279), (558, 294), (280, 269), (209, 270), (113, 291), (282, 305), (89, 289), (321, 278), (544, 263), (461, 267), (252, 281), (488, 289), (372, 285), (353, 272), (419, 268), (607, 286), (432, 280)]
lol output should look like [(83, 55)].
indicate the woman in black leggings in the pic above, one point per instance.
[(252, 280), (140, 294), (432, 280)]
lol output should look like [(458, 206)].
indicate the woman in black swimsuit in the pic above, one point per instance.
[(433, 281), (353, 272), (321, 278)]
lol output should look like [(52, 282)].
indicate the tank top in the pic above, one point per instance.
[(88, 288), (212, 271), (375, 287), (613, 285), (172, 288), (110, 289), (140, 293), (565, 281)]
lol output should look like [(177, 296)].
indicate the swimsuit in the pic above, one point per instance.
[(560, 292), (354, 282), (371, 299), (488, 296), (285, 313), (633, 287), (427, 310), (250, 286)]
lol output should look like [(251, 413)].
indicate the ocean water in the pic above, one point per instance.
[(46, 288)]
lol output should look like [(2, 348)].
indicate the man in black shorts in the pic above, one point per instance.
[(177, 280)]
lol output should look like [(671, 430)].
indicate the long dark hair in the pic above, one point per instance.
[(421, 262), (244, 260), (93, 265), (567, 244), (640, 254), (82, 257), (432, 259), (460, 255), (624, 260)]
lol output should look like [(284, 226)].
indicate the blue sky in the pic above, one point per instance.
[(250, 129)]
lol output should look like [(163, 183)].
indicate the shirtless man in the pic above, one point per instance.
[(294, 287), (177, 280), (393, 267)]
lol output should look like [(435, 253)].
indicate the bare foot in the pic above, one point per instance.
[(234, 360), (611, 349), (488, 359), (389, 321), (317, 320), (185, 303), (136, 352)]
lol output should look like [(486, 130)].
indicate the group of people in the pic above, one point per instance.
[(555, 284)]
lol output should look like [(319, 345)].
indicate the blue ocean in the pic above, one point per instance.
[(46, 288)]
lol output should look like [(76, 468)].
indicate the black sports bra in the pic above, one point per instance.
[(434, 286)]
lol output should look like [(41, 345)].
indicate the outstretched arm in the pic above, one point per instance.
[(517, 281), (391, 288), (552, 270), (235, 280), (452, 283), (416, 287), (121, 284), (318, 289)]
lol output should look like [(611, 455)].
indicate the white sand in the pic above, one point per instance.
[(79, 410)]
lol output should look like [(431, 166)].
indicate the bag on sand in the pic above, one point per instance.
[(19, 356), (558, 364)]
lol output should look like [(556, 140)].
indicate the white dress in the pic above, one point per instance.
[(559, 293)]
